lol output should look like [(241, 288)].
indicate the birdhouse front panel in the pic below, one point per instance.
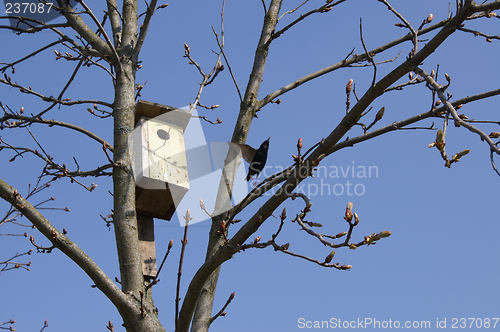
[(166, 153)]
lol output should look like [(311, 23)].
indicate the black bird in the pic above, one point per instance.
[(259, 160), (256, 158)]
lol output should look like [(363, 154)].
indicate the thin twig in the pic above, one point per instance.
[(156, 280), (221, 47), (32, 28), (29, 55), (72, 77), (65, 102), (293, 10), (407, 24), (477, 33), (323, 9), (144, 27), (184, 242), (221, 312), (28, 119), (218, 121), (493, 163), (370, 58)]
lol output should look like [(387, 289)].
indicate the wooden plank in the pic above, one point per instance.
[(149, 109), (145, 227)]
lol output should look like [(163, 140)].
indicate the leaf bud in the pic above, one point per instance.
[(380, 114), (317, 160), (340, 234), (464, 152), (348, 87), (348, 212), (283, 214), (329, 258), (384, 234)]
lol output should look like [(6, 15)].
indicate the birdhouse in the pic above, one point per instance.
[(160, 170), (160, 159)]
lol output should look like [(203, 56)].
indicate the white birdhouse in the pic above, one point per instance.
[(160, 159)]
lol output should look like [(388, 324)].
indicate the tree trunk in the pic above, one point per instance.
[(141, 316), (203, 312)]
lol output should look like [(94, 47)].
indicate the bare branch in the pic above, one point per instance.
[(155, 279), (406, 23), (103, 32), (77, 23), (488, 38), (101, 280), (400, 125), (12, 64), (66, 102), (323, 9), (115, 19), (449, 107), (376, 63), (10, 264), (293, 10), (33, 28), (221, 312), (415, 79), (493, 163), (144, 27), (218, 121), (184, 242), (344, 63), (221, 48), (60, 171), (370, 57), (65, 88), (25, 120), (207, 78)]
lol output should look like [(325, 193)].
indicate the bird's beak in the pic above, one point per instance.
[(269, 138)]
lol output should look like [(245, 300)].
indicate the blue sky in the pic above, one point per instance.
[(441, 260)]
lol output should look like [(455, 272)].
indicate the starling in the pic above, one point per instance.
[(256, 158)]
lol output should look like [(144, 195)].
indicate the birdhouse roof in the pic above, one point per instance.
[(170, 114)]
